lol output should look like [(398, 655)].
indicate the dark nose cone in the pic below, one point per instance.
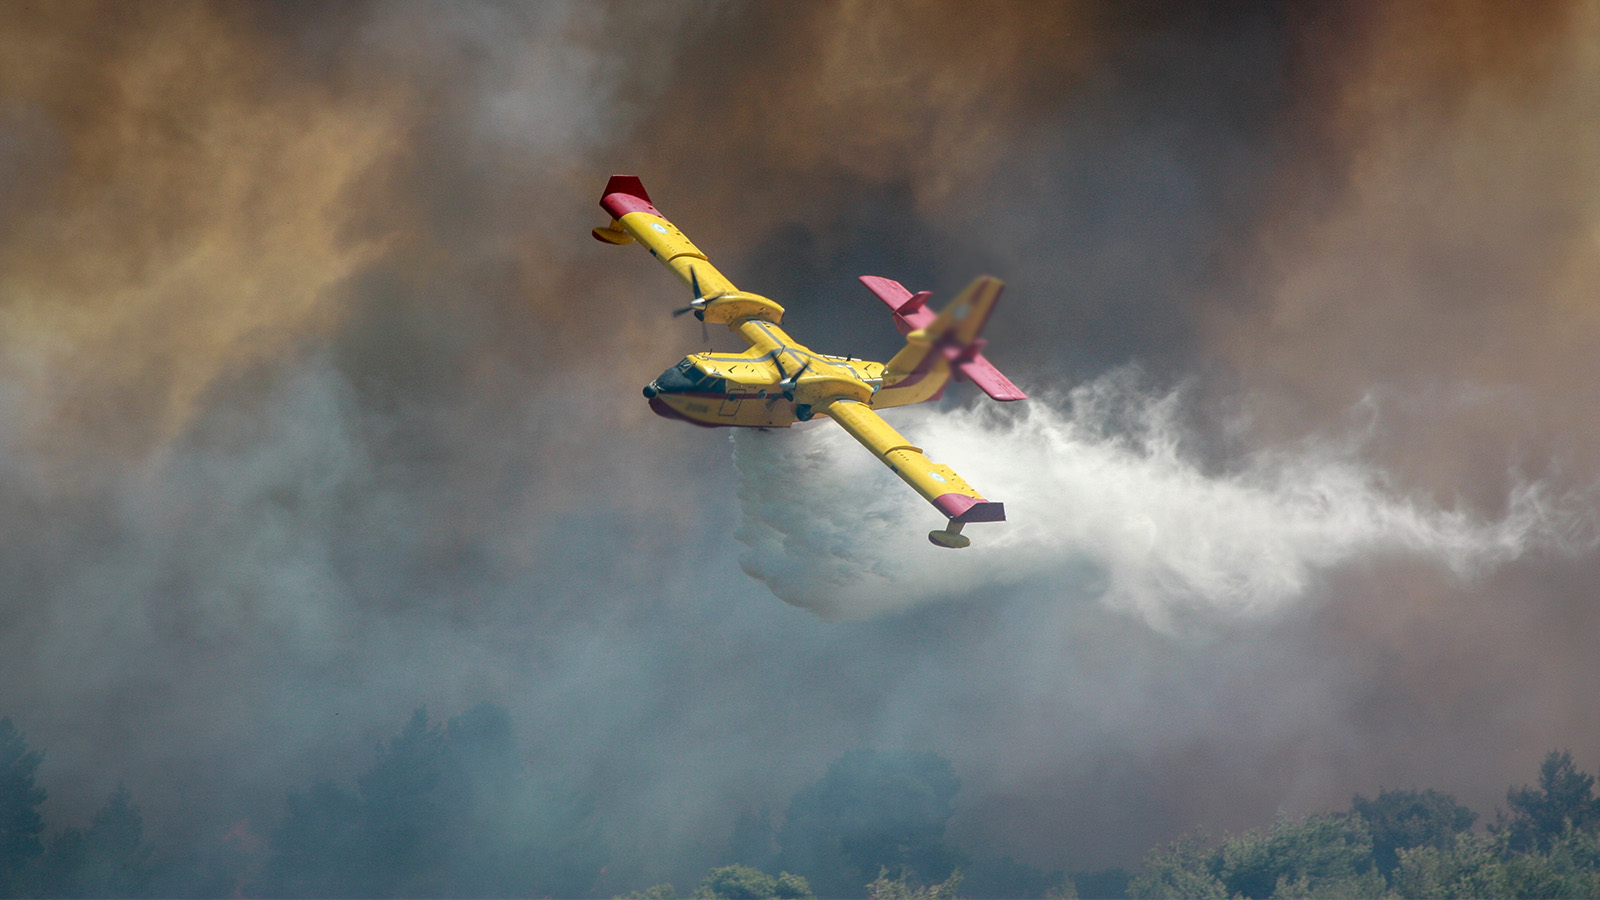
[(650, 391), (660, 408)]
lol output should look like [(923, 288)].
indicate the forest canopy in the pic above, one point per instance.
[(452, 809)]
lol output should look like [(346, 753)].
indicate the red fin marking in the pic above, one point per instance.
[(917, 301), (888, 290)]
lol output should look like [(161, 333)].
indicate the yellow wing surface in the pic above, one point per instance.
[(635, 218), (937, 483)]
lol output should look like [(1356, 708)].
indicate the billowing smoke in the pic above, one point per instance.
[(318, 403), (1104, 502)]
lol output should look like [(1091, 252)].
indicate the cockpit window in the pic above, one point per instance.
[(685, 378)]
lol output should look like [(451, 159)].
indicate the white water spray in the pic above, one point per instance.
[(1106, 508)]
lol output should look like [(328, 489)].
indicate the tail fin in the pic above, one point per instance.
[(952, 333)]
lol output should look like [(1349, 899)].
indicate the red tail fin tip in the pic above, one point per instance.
[(917, 301), (887, 289)]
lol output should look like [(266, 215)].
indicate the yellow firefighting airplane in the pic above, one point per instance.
[(778, 382)]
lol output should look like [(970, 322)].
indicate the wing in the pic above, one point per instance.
[(938, 484), (635, 218)]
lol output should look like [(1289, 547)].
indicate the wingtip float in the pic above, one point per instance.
[(778, 381)]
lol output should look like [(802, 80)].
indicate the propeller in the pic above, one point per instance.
[(788, 382), (696, 306)]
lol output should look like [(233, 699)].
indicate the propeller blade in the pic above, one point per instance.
[(794, 379), (678, 312)]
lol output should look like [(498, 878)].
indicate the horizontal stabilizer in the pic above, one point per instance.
[(917, 301), (612, 234), (910, 312), (982, 373)]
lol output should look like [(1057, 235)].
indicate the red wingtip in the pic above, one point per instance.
[(625, 194), (627, 184), (963, 509)]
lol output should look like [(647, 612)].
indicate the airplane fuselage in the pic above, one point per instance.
[(774, 384)]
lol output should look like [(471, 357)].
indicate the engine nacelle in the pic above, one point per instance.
[(735, 306)]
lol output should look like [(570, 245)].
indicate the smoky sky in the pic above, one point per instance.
[(318, 403)]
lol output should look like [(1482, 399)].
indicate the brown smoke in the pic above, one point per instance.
[(855, 95), (1446, 267), (189, 210)]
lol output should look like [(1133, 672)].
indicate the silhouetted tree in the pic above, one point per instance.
[(870, 811), (20, 822), (1563, 800), (110, 859), (444, 810), (754, 841), (410, 812), (1104, 884), (1401, 820), (320, 849)]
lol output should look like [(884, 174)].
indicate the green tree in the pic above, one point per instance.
[(747, 883), (1483, 865), (1180, 869), (1563, 800), (1315, 855), (899, 888), (20, 823), (872, 810), (1401, 820), (1468, 869)]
